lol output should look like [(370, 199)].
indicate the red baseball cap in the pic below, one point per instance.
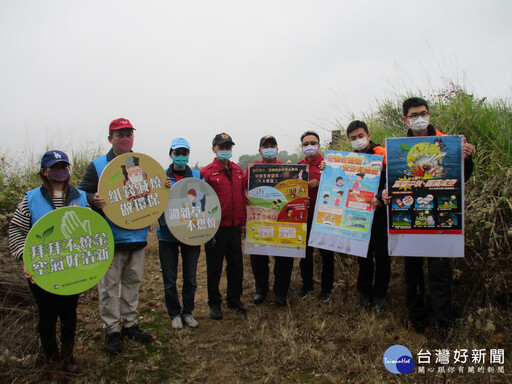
[(120, 124)]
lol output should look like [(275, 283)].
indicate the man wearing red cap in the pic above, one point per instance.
[(118, 312), (227, 180)]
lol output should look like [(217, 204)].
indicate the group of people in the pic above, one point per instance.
[(119, 288)]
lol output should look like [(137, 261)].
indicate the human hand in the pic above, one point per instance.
[(467, 149), (168, 183), (313, 183), (322, 165), (98, 201), (376, 203), (385, 198), (27, 275)]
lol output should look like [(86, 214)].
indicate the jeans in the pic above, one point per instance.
[(228, 244), (169, 255)]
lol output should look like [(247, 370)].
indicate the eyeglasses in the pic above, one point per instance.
[(305, 144), (416, 115)]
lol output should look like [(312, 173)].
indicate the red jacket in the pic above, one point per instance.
[(229, 185), (314, 174)]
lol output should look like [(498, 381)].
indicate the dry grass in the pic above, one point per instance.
[(305, 342)]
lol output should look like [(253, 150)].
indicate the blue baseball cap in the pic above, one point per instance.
[(179, 142), (51, 158)]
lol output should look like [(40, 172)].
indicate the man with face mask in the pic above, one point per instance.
[(375, 269), (416, 116), (119, 314), (168, 247), (310, 146), (227, 180), (282, 265)]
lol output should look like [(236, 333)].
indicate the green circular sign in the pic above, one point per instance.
[(193, 211), (133, 185), (69, 250)]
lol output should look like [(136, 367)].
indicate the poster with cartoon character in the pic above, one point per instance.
[(277, 211), (344, 209), (426, 185), (193, 212), (133, 184)]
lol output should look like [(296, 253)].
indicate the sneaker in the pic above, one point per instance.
[(325, 296), (176, 323), (190, 321), (215, 313), (135, 333), (305, 291), (113, 343), (379, 304), (364, 302)]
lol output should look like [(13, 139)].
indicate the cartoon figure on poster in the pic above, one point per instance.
[(135, 179), (424, 176), (343, 215), (277, 210), (196, 201)]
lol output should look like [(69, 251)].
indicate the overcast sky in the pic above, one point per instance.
[(248, 68)]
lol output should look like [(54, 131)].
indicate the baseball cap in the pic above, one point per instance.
[(50, 158), (179, 142), (268, 139), (222, 138), (120, 124)]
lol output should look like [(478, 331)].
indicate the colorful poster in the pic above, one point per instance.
[(69, 250), (193, 211), (133, 185), (426, 184), (344, 206), (277, 212)]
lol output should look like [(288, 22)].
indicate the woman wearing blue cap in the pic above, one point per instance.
[(55, 192), (168, 247)]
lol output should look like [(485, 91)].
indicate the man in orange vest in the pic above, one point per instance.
[(416, 115), (375, 269)]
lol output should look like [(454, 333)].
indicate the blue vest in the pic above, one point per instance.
[(163, 232), (39, 206), (121, 235)]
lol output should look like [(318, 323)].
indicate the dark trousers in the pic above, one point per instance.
[(50, 308), (169, 255), (375, 269), (439, 287), (228, 244), (283, 267), (306, 266)]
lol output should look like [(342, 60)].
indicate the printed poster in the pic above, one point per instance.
[(426, 182), (277, 212), (133, 185), (69, 250), (344, 207), (193, 211)]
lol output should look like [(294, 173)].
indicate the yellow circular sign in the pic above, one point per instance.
[(133, 185)]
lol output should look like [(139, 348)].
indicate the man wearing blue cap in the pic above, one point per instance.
[(168, 247)]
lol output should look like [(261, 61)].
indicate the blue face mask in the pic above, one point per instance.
[(224, 155), (180, 160), (269, 153)]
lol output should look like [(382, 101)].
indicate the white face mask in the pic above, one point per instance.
[(419, 124), (310, 150), (359, 144)]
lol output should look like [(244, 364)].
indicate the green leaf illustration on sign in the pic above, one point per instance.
[(114, 178), (47, 232), (212, 212), (405, 147)]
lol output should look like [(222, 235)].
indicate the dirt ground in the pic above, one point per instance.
[(307, 341)]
